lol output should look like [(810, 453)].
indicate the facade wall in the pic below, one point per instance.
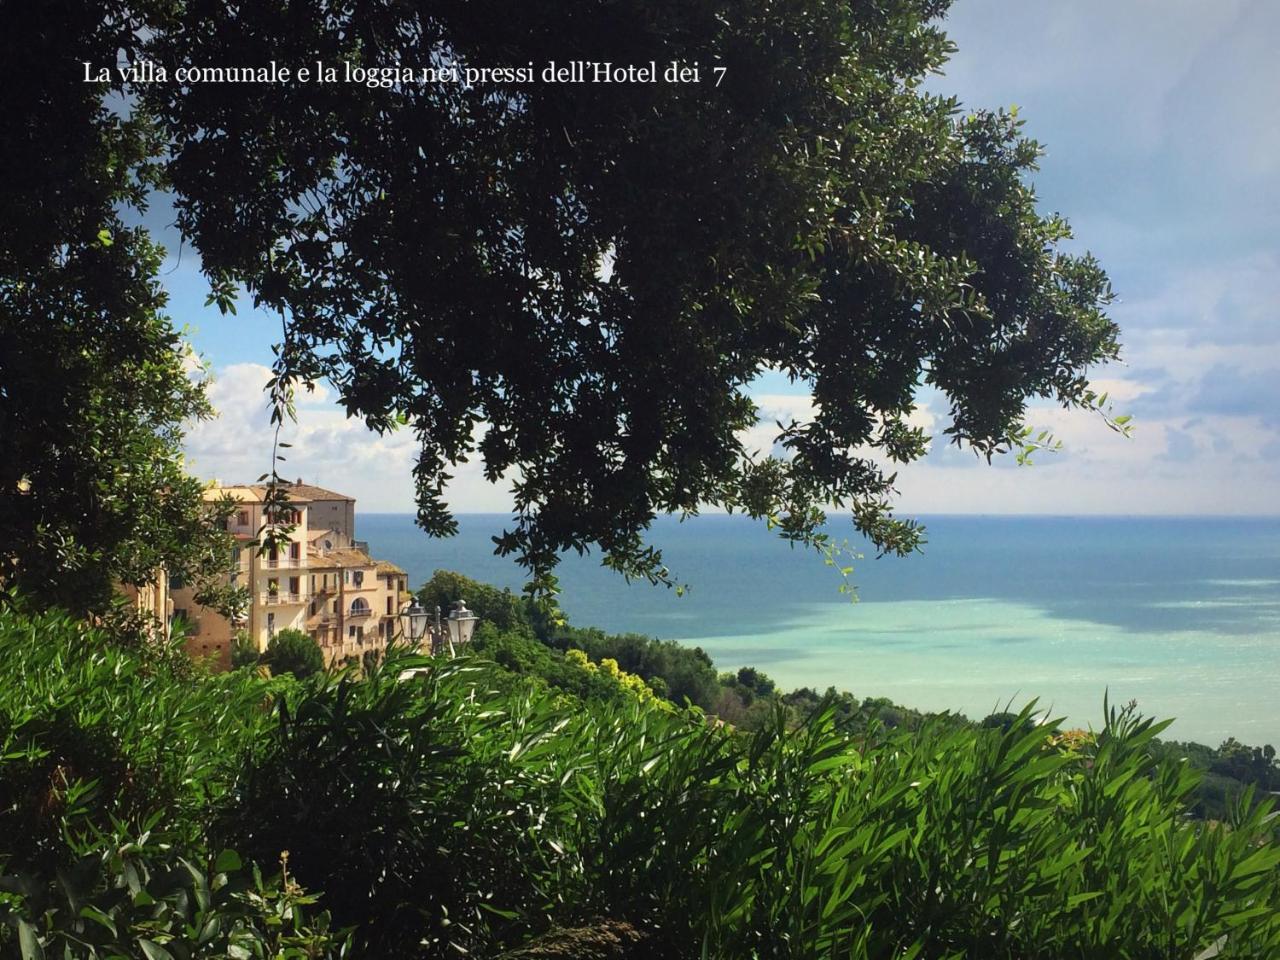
[(211, 633), (394, 594), (153, 600), (319, 583), (339, 515), (355, 606)]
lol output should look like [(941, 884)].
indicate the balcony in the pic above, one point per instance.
[(359, 613), (285, 563), (279, 599)]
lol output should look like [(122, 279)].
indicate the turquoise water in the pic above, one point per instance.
[(1182, 615)]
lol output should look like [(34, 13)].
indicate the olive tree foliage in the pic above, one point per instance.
[(577, 283), (94, 379)]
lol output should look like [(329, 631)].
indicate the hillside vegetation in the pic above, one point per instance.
[(471, 811), (520, 636)]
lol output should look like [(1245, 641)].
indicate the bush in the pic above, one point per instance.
[(244, 653), (109, 758), (471, 811), (292, 651), (501, 608)]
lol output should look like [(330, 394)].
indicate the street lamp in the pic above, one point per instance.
[(413, 627), (461, 623), (413, 623)]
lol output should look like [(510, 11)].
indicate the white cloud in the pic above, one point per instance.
[(327, 448)]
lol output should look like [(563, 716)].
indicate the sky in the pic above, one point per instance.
[(1160, 121)]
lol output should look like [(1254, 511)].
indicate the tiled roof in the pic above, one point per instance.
[(386, 566), (256, 492), (245, 494), (309, 491), (344, 557)]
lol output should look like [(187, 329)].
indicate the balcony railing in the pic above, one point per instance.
[(284, 563), (360, 612), (274, 599)]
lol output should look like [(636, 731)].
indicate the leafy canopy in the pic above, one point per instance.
[(578, 283), (95, 382)]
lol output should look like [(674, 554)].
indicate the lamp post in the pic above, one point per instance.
[(413, 623), (461, 623)]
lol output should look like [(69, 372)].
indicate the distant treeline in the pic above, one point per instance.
[(523, 638)]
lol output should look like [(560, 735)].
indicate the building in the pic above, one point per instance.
[(322, 581), (151, 602)]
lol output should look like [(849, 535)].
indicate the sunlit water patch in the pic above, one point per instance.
[(1182, 615), (975, 656)]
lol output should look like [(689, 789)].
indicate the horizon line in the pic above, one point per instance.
[(907, 514)]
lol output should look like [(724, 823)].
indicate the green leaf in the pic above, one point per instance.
[(29, 942), (153, 950), (91, 912)]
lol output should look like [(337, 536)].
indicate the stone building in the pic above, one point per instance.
[(322, 581), (152, 601)]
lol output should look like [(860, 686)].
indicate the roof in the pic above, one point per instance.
[(245, 494), (256, 492), (344, 557), (386, 566), (310, 491)]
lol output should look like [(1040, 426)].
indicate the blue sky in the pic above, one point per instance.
[(1161, 125)]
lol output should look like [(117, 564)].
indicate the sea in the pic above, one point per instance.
[(1180, 615)]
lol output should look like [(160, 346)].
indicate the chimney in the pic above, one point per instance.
[(299, 483)]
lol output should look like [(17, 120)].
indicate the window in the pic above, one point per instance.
[(295, 551), (271, 624), (295, 585), (355, 633), (243, 518), (273, 586), (388, 606), (359, 607), (358, 578), (328, 544)]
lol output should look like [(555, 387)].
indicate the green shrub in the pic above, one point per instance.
[(292, 651), (244, 652), (139, 896), (502, 608), (467, 810), (109, 761), (391, 797)]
